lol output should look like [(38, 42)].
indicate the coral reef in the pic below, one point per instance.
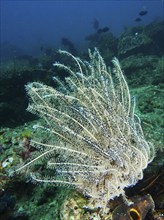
[(129, 43), (143, 67)]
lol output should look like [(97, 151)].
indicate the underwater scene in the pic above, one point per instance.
[(82, 110)]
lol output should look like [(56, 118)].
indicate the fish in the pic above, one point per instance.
[(143, 12), (69, 44), (95, 24), (102, 30), (138, 19)]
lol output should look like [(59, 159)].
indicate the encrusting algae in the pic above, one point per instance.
[(94, 142)]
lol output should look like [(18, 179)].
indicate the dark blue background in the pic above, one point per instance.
[(30, 24)]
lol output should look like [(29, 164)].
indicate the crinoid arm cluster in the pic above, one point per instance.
[(94, 140)]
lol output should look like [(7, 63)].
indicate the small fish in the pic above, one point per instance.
[(95, 24), (41, 48), (143, 12), (138, 19), (102, 30)]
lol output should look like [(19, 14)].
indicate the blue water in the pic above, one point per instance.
[(32, 24)]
